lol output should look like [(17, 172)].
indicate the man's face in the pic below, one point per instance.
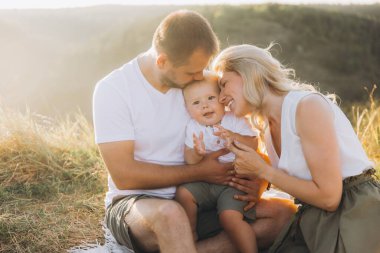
[(179, 77)]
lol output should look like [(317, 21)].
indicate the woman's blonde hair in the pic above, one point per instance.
[(261, 72)]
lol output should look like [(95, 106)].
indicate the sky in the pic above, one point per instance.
[(27, 4)]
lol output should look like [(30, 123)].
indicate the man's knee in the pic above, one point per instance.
[(272, 215), (275, 207), (169, 215)]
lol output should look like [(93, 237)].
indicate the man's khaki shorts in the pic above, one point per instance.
[(207, 226)]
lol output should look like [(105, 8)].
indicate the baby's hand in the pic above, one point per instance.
[(199, 145), (224, 134)]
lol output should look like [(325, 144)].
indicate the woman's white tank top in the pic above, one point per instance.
[(292, 160)]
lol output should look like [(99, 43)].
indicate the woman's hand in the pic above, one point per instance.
[(247, 162), (253, 188)]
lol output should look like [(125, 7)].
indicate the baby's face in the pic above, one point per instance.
[(202, 103)]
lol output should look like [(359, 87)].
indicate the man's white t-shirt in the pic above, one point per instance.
[(213, 143), (127, 107)]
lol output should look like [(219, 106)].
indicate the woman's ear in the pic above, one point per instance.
[(161, 60)]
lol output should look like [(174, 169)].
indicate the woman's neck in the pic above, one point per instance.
[(272, 107)]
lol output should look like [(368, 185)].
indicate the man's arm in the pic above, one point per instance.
[(127, 173)]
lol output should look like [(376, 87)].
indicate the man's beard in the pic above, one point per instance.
[(170, 83)]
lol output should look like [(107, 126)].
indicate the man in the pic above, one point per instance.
[(140, 119)]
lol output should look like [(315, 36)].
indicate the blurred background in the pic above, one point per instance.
[(53, 52), (52, 58)]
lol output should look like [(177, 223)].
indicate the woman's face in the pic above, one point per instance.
[(231, 94)]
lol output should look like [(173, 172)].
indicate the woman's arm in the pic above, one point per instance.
[(315, 126)]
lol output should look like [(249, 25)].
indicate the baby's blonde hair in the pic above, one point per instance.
[(209, 77)]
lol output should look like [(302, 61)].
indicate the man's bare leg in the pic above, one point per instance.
[(187, 201), (272, 214), (157, 224)]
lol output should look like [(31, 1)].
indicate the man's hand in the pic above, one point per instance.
[(213, 171)]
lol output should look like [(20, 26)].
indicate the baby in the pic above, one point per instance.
[(208, 130)]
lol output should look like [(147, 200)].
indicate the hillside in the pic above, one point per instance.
[(52, 59), (365, 11)]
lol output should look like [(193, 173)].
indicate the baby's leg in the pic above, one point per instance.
[(238, 230), (187, 201)]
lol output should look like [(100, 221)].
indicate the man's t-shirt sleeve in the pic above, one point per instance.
[(111, 114)]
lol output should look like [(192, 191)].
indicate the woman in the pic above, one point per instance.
[(315, 154)]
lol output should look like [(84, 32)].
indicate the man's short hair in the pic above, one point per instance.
[(181, 33)]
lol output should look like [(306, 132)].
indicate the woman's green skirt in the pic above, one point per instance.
[(353, 228)]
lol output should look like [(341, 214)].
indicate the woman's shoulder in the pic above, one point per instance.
[(302, 108), (301, 99), (314, 101), (314, 110)]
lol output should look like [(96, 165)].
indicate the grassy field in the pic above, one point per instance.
[(52, 180), (52, 183)]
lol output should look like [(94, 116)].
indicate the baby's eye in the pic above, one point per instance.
[(211, 97), (195, 103), (222, 85)]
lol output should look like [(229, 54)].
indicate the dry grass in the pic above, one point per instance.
[(52, 183), (366, 122), (52, 180)]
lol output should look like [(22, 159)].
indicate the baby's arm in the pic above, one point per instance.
[(195, 155), (191, 156)]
